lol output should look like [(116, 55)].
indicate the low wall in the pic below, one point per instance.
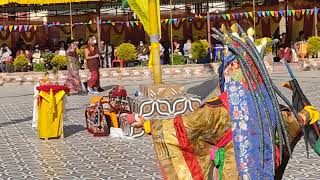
[(143, 73), (116, 74)]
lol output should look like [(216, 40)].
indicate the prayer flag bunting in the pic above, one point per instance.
[(311, 11), (259, 13), (1, 27), (15, 27), (316, 10), (5, 28), (246, 14), (229, 17), (250, 13), (224, 16), (303, 11), (10, 28), (263, 13), (307, 11), (20, 28), (272, 13), (26, 28), (132, 23), (113, 23), (268, 13)]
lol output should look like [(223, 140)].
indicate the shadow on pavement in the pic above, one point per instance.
[(16, 121), (204, 89), (72, 129)]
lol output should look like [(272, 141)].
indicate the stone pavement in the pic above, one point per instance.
[(81, 156)]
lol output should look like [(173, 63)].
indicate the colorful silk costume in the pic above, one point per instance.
[(242, 134)]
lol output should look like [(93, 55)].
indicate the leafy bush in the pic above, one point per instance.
[(313, 46), (268, 48), (177, 59), (127, 52), (59, 61), (39, 67), (47, 56), (21, 62), (199, 49)]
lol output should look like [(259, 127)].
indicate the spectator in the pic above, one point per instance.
[(109, 54), (187, 48), (5, 58), (143, 53), (103, 58)]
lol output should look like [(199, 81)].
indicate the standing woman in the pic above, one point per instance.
[(73, 81), (92, 55)]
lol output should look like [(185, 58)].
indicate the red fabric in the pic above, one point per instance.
[(277, 157), (55, 88), (94, 80), (227, 137), (187, 149), (224, 98), (285, 53)]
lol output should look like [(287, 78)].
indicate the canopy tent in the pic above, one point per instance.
[(34, 2)]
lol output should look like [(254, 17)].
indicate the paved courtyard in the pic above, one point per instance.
[(81, 156)]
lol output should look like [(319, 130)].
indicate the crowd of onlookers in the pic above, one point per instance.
[(282, 51)]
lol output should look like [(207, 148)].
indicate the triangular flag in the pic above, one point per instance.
[(272, 13), (293, 12), (307, 11), (259, 14), (100, 21), (67, 24), (303, 11), (108, 22), (113, 23), (5, 28), (241, 15), (233, 16), (281, 12), (311, 11), (263, 13), (35, 27), (104, 22), (90, 22), (62, 24), (200, 16), (224, 16), (26, 27), (229, 16), (276, 13), (205, 17), (246, 14), (20, 28), (15, 27), (250, 13), (30, 27), (170, 21), (183, 19), (298, 11), (10, 28), (175, 21), (317, 10), (289, 12), (137, 23), (213, 17), (58, 23), (127, 23), (268, 13), (1, 27), (132, 23), (166, 21)]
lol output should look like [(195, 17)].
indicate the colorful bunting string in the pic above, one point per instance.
[(231, 16)]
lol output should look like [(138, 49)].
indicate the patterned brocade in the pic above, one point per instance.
[(204, 128)]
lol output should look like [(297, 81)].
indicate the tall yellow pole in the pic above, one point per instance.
[(154, 39), (71, 31)]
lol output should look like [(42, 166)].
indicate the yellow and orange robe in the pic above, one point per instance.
[(183, 144)]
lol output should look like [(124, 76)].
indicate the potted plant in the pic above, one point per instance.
[(199, 50), (127, 52), (20, 63), (313, 46), (60, 62), (178, 59)]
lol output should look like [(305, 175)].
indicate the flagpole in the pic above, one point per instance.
[(171, 35), (315, 21), (209, 29), (71, 21), (154, 39), (254, 17)]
